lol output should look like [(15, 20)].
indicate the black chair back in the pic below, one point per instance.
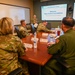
[(18, 32), (48, 25), (16, 71), (33, 28)]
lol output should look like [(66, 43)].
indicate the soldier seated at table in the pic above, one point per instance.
[(63, 52), (11, 49), (23, 30), (42, 27)]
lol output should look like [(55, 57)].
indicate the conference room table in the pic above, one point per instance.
[(36, 57)]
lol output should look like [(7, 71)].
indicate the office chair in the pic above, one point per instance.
[(67, 69), (16, 71), (48, 25), (28, 27), (33, 28), (18, 33)]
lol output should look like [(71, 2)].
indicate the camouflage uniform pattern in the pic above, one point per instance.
[(10, 47), (23, 31), (35, 20), (41, 27)]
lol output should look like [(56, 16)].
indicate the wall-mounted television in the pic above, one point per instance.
[(74, 11), (53, 12)]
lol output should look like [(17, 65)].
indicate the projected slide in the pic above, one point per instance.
[(74, 11), (53, 12)]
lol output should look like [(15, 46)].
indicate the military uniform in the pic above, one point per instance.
[(41, 27), (10, 48), (65, 47), (23, 31), (35, 20)]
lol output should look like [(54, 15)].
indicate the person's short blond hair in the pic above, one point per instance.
[(6, 26)]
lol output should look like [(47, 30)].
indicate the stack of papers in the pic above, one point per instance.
[(33, 39), (43, 40), (44, 34), (27, 45), (53, 35)]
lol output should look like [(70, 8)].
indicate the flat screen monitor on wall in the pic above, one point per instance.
[(74, 11), (17, 13), (53, 12)]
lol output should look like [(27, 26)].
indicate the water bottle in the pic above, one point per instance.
[(35, 40), (51, 39), (48, 38), (35, 35)]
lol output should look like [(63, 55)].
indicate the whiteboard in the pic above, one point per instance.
[(15, 12), (74, 11)]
